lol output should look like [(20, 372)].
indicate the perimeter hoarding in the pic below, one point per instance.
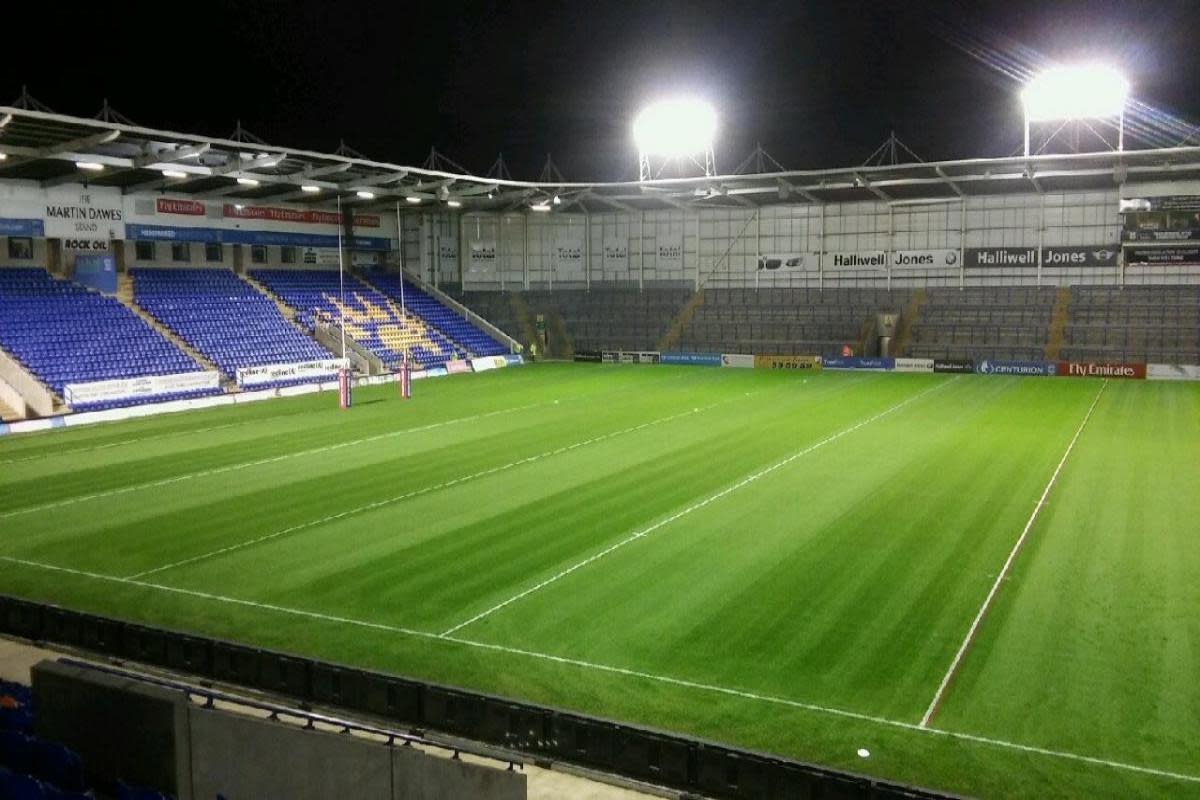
[(858, 363), (1028, 368), (694, 359), (953, 365), (787, 362), (1100, 369)]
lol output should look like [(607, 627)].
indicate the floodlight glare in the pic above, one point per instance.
[(1087, 91), (365, 195), (247, 181), (308, 188), (90, 166), (675, 128), (413, 199), (454, 203), (541, 206), (3, 156), (174, 173)]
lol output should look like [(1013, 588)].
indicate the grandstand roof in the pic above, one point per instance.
[(44, 148)]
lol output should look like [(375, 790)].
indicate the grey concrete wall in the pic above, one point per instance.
[(420, 776), (243, 758), (123, 729)]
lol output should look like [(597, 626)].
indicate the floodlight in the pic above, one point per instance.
[(238, 206), (675, 128), (541, 205), (454, 203), (247, 181), (90, 166), (557, 200), (365, 195), (173, 173), (413, 199), (1086, 91), (3, 156), (308, 188)]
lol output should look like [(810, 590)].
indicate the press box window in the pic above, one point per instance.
[(212, 251), (181, 251), (258, 254), (287, 255), (20, 247), (144, 251)]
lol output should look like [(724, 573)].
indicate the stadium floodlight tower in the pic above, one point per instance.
[(1076, 94), (673, 132)]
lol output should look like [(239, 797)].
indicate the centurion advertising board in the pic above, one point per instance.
[(1029, 368)]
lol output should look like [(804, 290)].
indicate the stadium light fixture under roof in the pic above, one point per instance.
[(308, 188), (1078, 92), (174, 173), (413, 199), (247, 181), (675, 129), (90, 166), (364, 194)]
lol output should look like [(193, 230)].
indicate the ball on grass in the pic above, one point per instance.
[(864, 752)]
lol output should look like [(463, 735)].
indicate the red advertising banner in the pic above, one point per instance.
[(192, 208), (1098, 369), (305, 216)]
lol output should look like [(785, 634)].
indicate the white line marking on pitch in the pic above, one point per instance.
[(247, 464), (694, 507), (122, 443), (588, 665), (1012, 556), (417, 492)]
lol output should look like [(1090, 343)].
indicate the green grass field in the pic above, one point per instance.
[(779, 561)]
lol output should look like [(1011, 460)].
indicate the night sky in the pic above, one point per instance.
[(819, 84)]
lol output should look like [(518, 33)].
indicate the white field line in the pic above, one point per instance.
[(124, 442), (690, 509), (613, 670), (418, 492), (1012, 556), (260, 462)]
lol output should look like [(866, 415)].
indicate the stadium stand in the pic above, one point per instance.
[(1136, 323), (422, 305), (785, 320), (223, 317), (984, 322), (600, 319), (64, 333), (372, 319)]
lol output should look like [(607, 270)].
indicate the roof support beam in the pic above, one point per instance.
[(882, 195), (954, 186)]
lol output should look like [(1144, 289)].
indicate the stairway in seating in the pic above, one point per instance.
[(287, 311), (1058, 322), (521, 314), (682, 320), (911, 313), (125, 296)]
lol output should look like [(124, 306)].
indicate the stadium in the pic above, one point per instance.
[(861, 481)]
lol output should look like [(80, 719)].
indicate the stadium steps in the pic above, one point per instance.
[(34, 386), (521, 315), (679, 325), (9, 414), (287, 311), (865, 334), (1058, 323), (125, 296), (910, 314)]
